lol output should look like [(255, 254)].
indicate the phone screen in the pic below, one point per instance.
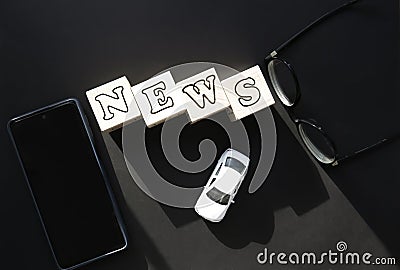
[(67, 184)]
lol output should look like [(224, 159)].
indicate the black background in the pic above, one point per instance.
[(347, 67)]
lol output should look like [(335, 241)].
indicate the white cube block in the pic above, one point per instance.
[(113, 104), (248, 92), (204, 94), (158, 99)]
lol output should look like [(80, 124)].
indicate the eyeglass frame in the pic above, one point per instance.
[(336, 159)]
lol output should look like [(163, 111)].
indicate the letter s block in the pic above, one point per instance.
[(113, 104), (248, 92)]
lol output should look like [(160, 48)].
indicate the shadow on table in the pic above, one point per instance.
[(177, 216), (189, 140), (294, 182), (371, 183), (141, 248)]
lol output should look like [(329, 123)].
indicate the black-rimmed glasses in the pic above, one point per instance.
[(286, 86)]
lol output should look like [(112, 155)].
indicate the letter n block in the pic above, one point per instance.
[(158, 99), (248, 92), (113, 104)]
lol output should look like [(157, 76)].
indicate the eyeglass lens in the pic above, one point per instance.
[(286, 88), (283, 81), (317, 143)]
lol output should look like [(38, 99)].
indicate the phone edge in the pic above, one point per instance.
[(101, 167)]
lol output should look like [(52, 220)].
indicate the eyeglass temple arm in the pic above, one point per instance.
[(308, 27), (339, 160)]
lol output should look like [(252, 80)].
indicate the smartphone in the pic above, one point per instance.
[(68, 184)]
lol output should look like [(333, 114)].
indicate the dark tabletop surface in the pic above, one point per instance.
[(347, 68)]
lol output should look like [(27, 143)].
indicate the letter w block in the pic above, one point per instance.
[(113, 104), (203, 94)]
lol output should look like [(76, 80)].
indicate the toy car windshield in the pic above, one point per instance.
[(235, 164)]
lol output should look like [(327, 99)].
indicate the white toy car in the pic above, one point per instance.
[(222, 186)]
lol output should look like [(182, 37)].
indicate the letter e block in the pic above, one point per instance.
[(113, 104), (158, 99), (248, 92)]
